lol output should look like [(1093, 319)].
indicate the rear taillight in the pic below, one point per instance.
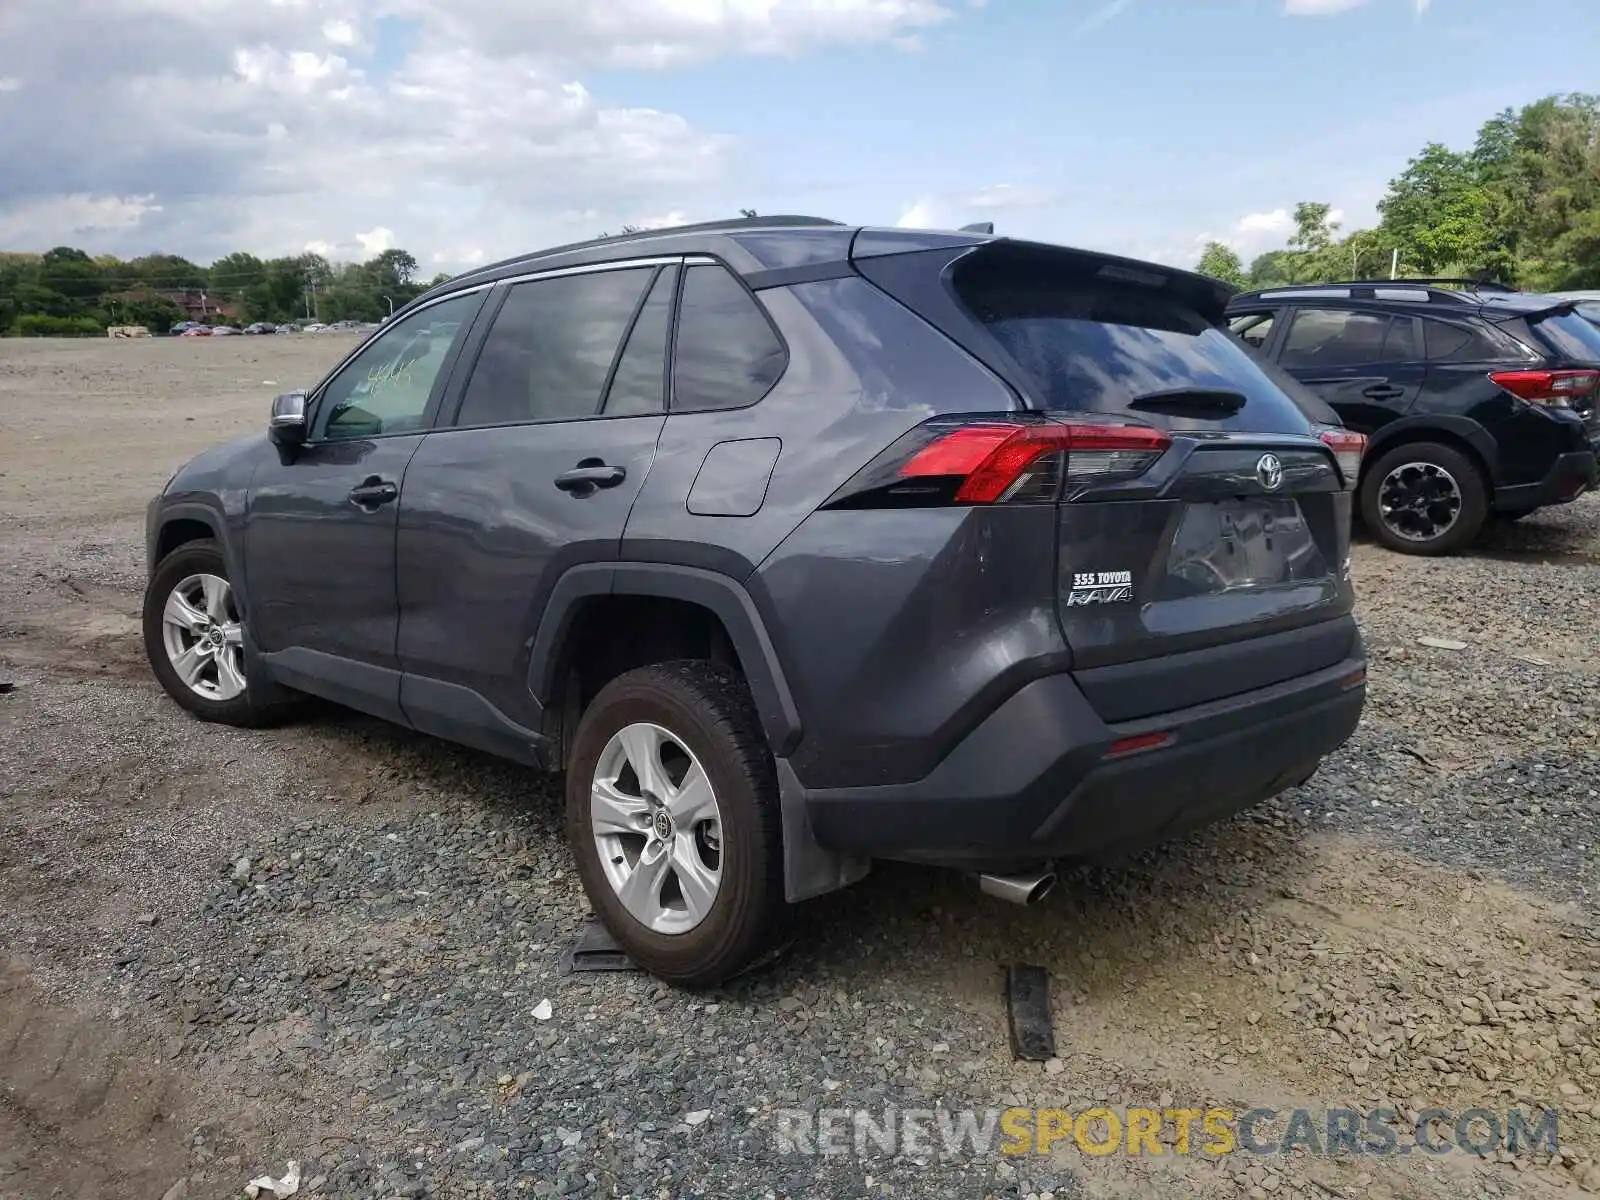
[(1001, 461), (1347, 450), (1557, 389)]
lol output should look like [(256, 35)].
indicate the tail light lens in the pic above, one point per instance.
[(1347, 450), (1555, 389), (1000, 461)]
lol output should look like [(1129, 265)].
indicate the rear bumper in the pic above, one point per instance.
[(1034, 782), (1569, 477)]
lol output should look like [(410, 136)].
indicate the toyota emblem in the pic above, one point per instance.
[(1269, 470)]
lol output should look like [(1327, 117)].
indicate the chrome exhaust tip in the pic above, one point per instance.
[(1018, 889)]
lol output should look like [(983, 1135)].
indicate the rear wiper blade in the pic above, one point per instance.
[(1205, 401)]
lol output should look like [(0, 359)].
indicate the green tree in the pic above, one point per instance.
[(1220, 262)]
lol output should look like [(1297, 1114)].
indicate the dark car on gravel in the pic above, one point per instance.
[(1477, 400), (795, 545)]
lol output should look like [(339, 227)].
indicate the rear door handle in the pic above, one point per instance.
[(589, 475), (1383, 391), (372, 492)]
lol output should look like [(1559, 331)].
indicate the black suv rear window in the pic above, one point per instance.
[(1571, 336), (1092, 344)]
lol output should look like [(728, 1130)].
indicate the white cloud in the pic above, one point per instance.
[(41, 224), (1319, 8), (1006, 195), (665, 221), (272, 126), (376, 241), (1325, 8), (9, 83), (1276, 222), (925, 214), (1103, 15)]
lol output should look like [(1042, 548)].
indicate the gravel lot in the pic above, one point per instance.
[(339, 944)]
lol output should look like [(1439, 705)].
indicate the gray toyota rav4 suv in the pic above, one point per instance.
[(794, 545)]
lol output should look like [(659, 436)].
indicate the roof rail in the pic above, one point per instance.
[(1481, 282), (644, 234)]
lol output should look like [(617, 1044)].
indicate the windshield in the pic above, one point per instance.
[(1571, 335)]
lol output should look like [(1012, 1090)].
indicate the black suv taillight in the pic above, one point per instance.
[(1000, 460)]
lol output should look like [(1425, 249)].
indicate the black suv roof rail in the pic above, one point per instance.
[(1481, 283), (1367, 289)]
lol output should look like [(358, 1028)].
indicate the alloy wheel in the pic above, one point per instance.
[(1419, 501), (657, 827), (203, 637)]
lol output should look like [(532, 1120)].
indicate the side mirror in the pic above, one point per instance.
[(287, 426)]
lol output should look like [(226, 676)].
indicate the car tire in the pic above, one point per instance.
[(199, 647), (723, 907), (1427, 480)]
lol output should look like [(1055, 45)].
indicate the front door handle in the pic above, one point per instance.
[(1383, 391), (372, 492), (589, 475)]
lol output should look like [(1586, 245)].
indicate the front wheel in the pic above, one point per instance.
[(673, 816), (1423, 498), (194, 637)]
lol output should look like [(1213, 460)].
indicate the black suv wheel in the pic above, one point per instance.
[(672, 812), (1423, 498)]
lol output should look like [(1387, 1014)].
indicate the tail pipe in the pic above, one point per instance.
[(1028, 888)]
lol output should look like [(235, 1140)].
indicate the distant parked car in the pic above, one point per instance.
[(314, 327), (259, 327), (223, 331), (1477, 399), (196, 331)]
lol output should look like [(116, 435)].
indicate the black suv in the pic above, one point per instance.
[(794, 545), (1477, 399)]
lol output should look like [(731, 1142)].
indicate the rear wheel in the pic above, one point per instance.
[(195, 639), (1423, 498), (672, 812)]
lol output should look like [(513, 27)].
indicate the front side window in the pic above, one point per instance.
[(385, 388), (727, 355), (1254, 328), (550, 350), (1332, 337)]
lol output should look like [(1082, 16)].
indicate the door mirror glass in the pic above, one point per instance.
[(287, 425)]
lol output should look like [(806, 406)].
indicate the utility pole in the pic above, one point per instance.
[(391, 308), (1394, 264)]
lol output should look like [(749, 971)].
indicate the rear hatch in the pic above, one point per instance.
[(1575, 342), (1203, 518)]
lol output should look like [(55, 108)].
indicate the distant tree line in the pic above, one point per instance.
[(65, 291), (1522, 206)]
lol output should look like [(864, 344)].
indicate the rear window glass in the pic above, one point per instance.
[(1571, 336), (1091, 344), (1448, 342)]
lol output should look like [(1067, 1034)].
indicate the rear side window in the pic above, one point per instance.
[(1089, 343), (550, 350), (1571, 336), (727, 354), (1447, 341), (1333, 337)]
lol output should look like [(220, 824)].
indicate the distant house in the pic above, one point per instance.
[(199, 305)]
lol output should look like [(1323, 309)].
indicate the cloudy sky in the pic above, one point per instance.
[(471, 129)]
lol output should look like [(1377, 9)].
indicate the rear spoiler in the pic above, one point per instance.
[(1564, 308)]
